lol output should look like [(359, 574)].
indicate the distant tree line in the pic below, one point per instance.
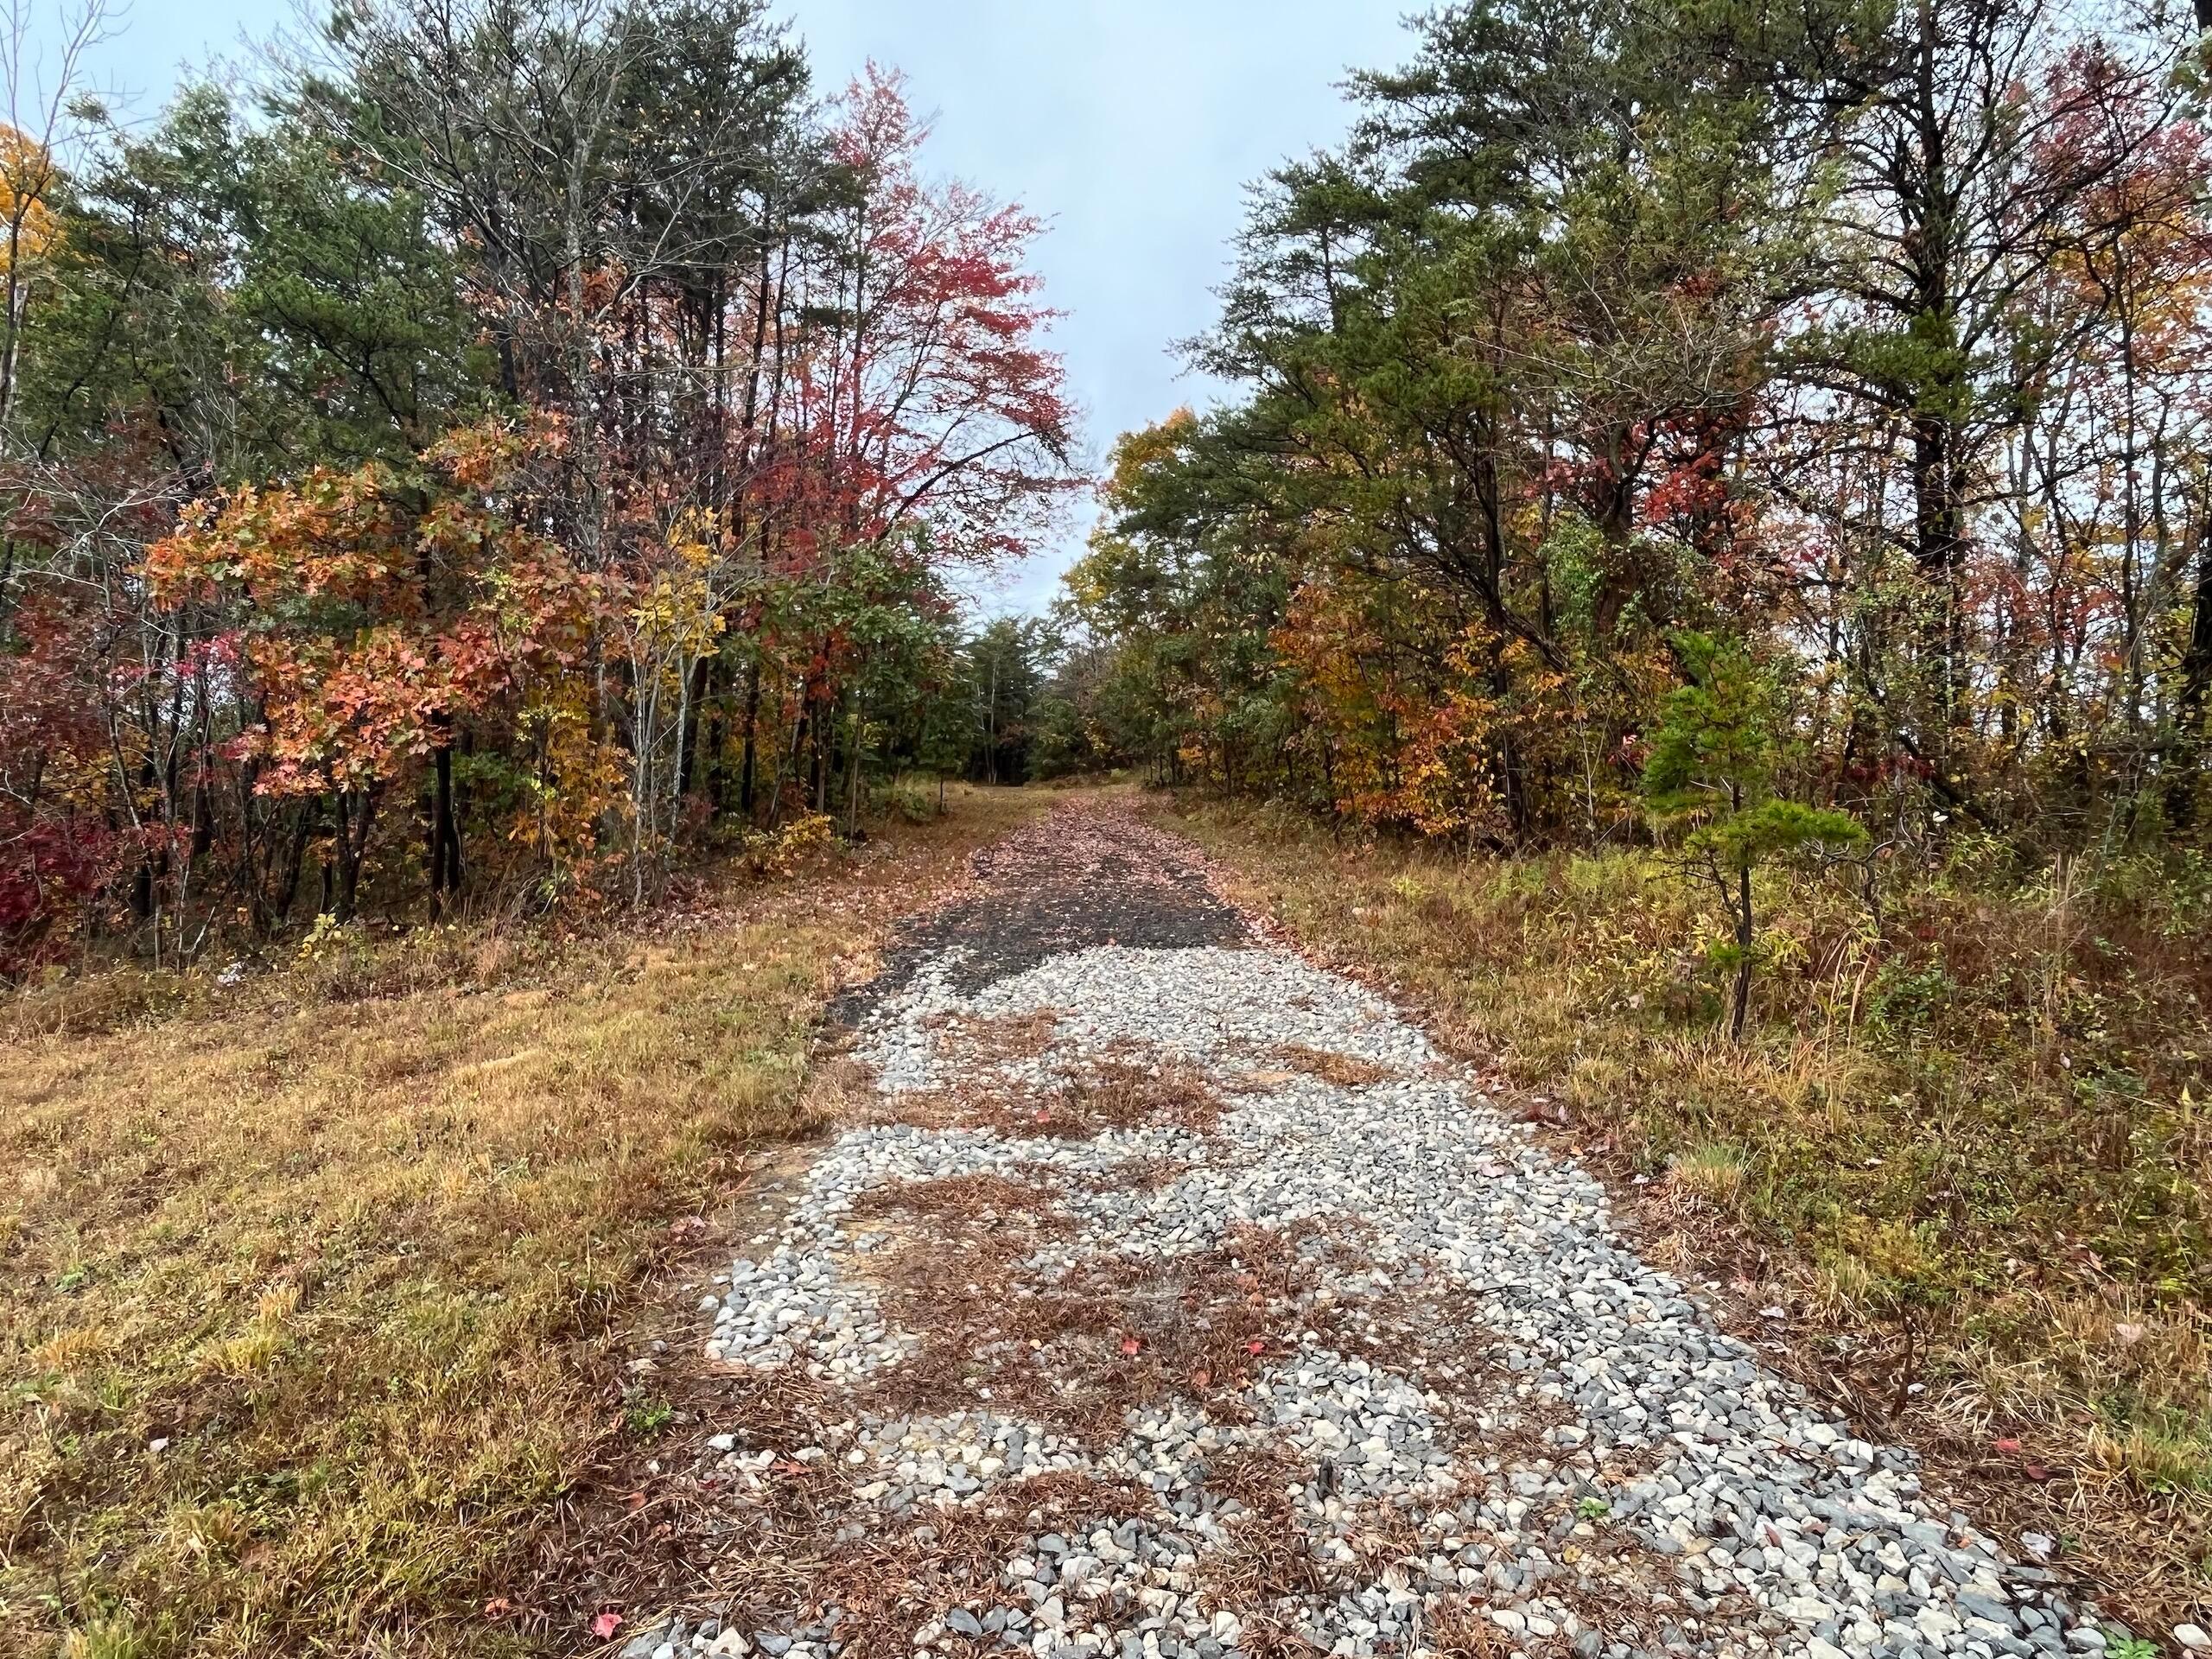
[(1855, 353), (522, 440)]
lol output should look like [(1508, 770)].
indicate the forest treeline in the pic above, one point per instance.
[(502, 447), (1842, 362)]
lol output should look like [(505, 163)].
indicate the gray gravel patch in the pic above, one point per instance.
[(1485, 1412)]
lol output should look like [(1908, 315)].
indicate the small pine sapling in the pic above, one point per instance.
[(1711, 778)]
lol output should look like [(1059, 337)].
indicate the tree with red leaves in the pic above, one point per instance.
[(549, 432), (927, 398), (919, 403)]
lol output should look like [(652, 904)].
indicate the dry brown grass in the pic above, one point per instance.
[(1074, 1346), (903, 1574), (996, 1038), (1972, 1163), (1264, 1570), (305, 1285), (1461, 1630), (1611, 1582), (1344, 1070), (1121, 1093), (1115, 1092)]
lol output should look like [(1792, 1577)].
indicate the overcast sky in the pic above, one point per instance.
[(1131, 125)]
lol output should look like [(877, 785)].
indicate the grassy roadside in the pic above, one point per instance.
[(305, 1284), (1968, 1155)]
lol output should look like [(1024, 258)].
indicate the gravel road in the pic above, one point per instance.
[(1161, 1293)]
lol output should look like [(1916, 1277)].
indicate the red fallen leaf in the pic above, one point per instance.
[(497, 1607), (1202, 1378), (2008, 1446), (634, 1500), (1130, 1345), (1255, 1346), (2035, 1471), (606, 1625)]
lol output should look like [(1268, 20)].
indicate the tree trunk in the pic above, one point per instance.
[(751, 742), (445, 832), (2186, 763), (688, 738), (818, 776), (1740, 1009), (280, 907), (853, 780), (1940, 554), (356, 813)]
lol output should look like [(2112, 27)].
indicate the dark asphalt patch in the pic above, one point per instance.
[(1084, 875)]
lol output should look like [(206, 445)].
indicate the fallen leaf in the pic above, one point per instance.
[(2128, 1333), (2008, 1446), (606, 1625), (497, 1607), (1255, 1346), (1201, 1378), (1130, 1345)]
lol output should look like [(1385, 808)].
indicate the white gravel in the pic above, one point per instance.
[(1596, 1470)]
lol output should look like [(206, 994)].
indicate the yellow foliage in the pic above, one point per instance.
[(27, 227), (578, 780)]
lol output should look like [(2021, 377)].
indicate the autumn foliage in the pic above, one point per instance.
[(1877, 362), (438, 496)]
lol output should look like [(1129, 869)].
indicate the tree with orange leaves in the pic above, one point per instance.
[(381, 615)]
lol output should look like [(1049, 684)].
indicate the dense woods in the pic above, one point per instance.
[(1854, 350), (518, 444)]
